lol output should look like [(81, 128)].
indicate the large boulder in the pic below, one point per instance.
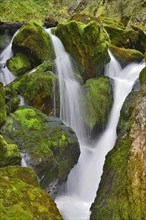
[(87, 44), (126, 56), (9, 154), (21, 197), (47, 145), (97, 97), (37, 88), (34, 43), (2, 104), (121, 36), (123, 178)]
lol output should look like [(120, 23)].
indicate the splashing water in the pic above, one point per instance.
[(84, 178)]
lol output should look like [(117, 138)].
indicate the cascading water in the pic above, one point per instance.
[(5, 75), (70, 89), (83, 180)]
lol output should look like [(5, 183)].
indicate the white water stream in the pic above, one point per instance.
[(5, 75), (84, 178), (70, 89)]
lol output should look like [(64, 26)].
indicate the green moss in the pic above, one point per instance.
[(2, 104), (19, 64), (23, 173), (87, 45), (114, 183), (28, 119), (122, 174), (126, 56), (42, 149), (142, 76), (98, 101), (37, 88), (24, 11), (120, 36), (11, 99), (9, 154), (60, 136), (34, 42), (45, 143), (23, 200)]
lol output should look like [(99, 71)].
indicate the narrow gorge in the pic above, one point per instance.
[(72, 110)]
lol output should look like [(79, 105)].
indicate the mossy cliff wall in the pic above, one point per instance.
[(121, 193)]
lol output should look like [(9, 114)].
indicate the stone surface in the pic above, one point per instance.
[(47, 145), (22, 199), (87, 44)]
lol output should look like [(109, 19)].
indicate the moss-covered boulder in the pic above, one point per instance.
[(22, 199), (126, 56), (2, 104), (121, 36), (142, 76), (48, 146), (97, 97), (19, 64), (123, 178), (34, 42), (37, 88), (118, 33), (140, 44), (87, 43), (9, 154)]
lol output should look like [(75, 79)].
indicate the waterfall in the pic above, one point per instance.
[(84, 178), (5, 75), (70, 89)]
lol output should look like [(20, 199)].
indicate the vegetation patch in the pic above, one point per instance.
[(21, 199), (98, 100), (9, 154)]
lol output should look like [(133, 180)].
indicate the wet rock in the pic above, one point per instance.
[(97, 97), (126, 56), (38, 87), (34, 42), (87, 44), (48, 146)]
